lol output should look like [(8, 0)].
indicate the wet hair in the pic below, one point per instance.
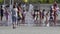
[(1, 6), (7, 6), (47, 13), (13, 6), (55, 3), (19, 4), (43, 10)]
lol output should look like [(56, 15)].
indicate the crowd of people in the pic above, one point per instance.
[(19, 14)]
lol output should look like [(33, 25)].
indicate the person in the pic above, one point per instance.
[(35, 15), (1, 13), (24, 10), (40, 14), (36, 11), (55, 8), (47, 19), (43, 17), (23, 16), (14, 16), (43, 13), (51, 14), (19, 14), (6, 14)]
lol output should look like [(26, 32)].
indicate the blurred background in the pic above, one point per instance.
[(28, 1)]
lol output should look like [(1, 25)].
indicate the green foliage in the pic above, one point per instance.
[(1, 1), (58, 1), (51, 1), (34, 1), (44, 1), (40, 1)]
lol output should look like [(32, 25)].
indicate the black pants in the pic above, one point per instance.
[(1, 17)]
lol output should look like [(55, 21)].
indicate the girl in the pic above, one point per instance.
[(19, 14), (14, 16), (1, 13), (6, 13), (47, 19), (43, 17)]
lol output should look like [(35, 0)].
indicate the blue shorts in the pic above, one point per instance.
[(14, 19)]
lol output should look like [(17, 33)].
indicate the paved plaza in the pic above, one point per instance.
[(29, 30)]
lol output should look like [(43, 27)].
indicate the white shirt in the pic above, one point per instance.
[(16, 11), (57, 8)]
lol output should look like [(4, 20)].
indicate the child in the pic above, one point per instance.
[(1, 13), (47, 19), (43, 17), (14, 16), (6, 13)]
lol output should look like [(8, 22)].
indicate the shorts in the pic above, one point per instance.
[(51, 18), (19, 18), (14, 19)]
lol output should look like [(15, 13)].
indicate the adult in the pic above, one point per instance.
[(55, 8)]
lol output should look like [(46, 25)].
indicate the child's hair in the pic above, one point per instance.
[(47, 13), (1, 6), (43, 9), (13, 6), (55, 3)]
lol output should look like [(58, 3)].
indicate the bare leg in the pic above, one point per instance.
[(54, 20), (1, 18), (14, 25), (47, 24)]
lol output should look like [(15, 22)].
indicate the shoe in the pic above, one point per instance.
[(48, 25)]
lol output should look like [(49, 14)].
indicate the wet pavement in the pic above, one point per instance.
[(29, 30)]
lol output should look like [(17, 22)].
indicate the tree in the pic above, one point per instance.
[(1, 1)]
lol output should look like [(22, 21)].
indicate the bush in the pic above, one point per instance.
[(58, 1)]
